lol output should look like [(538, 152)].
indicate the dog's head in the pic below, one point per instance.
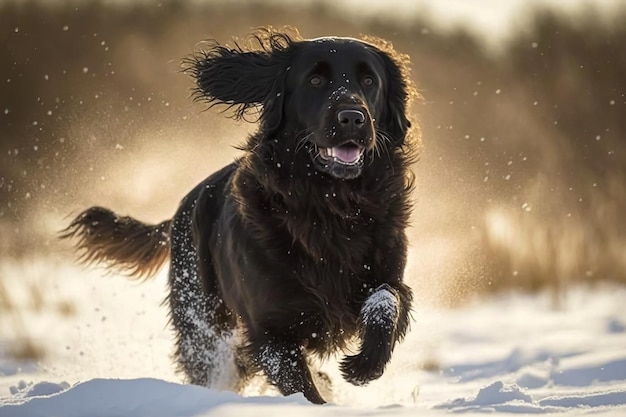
[(340, 99)]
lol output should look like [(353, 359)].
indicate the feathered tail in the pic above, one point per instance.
[(123, 244)]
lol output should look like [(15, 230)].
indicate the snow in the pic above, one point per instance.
[(511, 354), (380, 308)]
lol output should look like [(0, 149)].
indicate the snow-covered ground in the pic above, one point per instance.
[(509, 354)]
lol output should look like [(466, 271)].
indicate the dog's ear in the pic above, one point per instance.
[(232, 76), (243, 79), (399, 91)]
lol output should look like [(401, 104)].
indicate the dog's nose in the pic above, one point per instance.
[(351, 117)]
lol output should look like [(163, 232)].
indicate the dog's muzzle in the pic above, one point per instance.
[(340, 151)]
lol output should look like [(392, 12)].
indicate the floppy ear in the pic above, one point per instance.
[(243, 80), (399, 90), (233, 77)]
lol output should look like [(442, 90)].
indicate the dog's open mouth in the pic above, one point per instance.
[(344, 161), (347, 154)]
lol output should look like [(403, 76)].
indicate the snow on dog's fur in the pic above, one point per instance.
[(299, 246)]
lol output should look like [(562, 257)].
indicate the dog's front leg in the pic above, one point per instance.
[(286, 368), (383, 320)]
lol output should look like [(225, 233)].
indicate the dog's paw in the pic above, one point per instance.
[(324, 384), (359, 369)]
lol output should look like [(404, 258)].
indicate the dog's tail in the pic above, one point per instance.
[(120, 243)]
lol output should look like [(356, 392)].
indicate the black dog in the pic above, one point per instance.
[(299, 246)]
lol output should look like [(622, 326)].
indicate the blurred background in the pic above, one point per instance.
[(521, 182)]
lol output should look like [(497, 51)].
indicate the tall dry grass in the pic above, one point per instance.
[(521, 181)]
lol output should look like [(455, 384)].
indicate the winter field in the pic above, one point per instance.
[(514, 354), (520, 185)]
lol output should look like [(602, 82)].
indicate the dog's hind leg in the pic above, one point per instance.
[(285, 366), (203, 325)]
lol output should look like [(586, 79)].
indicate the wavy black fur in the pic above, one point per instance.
[(277, 253)]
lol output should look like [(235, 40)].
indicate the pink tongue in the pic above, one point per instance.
[(346, 153)]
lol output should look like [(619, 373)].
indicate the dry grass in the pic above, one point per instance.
[(26, 294), (6, 304), (521, 178), (25, 349)]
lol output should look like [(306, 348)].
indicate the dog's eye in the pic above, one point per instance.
[(368, 81), (315, 80)]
